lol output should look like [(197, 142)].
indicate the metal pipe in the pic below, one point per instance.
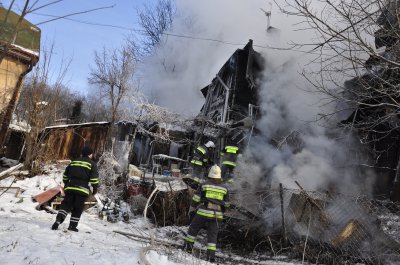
[(227, 89)]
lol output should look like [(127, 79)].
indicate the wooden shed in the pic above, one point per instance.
[(66, 141)]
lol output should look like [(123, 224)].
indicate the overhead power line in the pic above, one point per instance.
[(164, 33)]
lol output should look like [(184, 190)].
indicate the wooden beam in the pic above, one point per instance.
[(5, 173)]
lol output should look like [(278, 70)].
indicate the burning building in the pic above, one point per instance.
[(231, 99)]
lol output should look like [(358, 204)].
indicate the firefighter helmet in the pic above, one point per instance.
[(215, 172), (210, 144), (86, 151)]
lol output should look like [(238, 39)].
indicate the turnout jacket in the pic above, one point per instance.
[(229, 155), (211, 199), (79, 173), (200, 156)]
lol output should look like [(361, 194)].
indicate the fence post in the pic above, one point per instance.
[(283, 215)]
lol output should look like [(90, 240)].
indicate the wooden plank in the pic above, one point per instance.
[(5, 173), (48, 195)]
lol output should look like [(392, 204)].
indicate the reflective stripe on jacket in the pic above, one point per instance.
[(211, 198), (200, 156), (229, 156), (79, 173)]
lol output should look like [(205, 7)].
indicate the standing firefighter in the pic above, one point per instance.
[(200, 160), (77, 176), (228, 161), (210, 200)]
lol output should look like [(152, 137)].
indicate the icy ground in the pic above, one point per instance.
[(26, 237)]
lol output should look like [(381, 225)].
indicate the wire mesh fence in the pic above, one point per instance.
[(328, 229)]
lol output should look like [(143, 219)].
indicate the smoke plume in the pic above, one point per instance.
[(290, 144)]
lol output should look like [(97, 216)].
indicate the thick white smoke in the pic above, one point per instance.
[(182, 66)]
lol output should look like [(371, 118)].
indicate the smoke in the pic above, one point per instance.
[(294, 144), (180, 67)]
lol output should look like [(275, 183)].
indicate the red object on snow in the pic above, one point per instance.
[(48, 195)]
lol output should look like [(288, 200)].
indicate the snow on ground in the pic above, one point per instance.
[(26, 237)]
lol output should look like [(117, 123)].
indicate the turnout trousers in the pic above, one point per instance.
[(73, 203), (211, 225), (227, 172)]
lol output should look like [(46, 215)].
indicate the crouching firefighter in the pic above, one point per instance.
[(211, 199), (77, 176), (200, 161)]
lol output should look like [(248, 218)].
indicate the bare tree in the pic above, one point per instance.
[(154, 20), (358, 55), (40, 104), (112, 74), (15, 31), (356, 66)]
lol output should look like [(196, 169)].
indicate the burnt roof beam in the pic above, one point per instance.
[(227, 92)]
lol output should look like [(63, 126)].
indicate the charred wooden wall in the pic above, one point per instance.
[(230, 98), (239, 74), (147, 144), (67, 142)]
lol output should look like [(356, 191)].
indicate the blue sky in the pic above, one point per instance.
[(78, 41)]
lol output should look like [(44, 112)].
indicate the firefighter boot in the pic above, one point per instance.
[(188, 247), (72, 228), (55, 225), (211, 256)]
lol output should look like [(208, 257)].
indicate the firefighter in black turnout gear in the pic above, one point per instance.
[(210, 201), (200, 161), (77, 176), (228, 161)]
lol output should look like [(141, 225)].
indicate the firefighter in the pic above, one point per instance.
[(209, 203), (228, 162), (77, 176), (201, 160)]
